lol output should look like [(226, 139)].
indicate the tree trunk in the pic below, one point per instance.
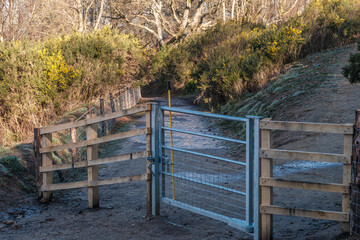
[(224, 10), (233, 9), (80, 16), (100, 14)]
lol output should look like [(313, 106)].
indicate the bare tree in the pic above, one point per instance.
[(166, 20)]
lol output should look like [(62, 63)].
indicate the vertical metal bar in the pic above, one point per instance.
[(148, 163), (162, 151), (249, 172), (155, 154), (257, 166)]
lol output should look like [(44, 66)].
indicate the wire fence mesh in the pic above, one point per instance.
[(195, 175), (206, 183)]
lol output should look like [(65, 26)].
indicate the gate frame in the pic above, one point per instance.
[(251, 166)]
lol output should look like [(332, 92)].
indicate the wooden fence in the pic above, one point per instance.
[(92, 161), (267, 181)]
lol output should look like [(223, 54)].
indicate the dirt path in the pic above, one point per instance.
[(123, 206), (122, 211)]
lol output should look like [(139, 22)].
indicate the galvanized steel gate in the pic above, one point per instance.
[(196, 174)]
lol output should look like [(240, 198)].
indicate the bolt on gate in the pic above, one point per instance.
[(206, 181)]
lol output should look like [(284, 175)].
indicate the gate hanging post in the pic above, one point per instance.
[(155, 150), (256, 176), (148, 162), (249, 170)]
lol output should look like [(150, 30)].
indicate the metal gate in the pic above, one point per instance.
[(197, 172)]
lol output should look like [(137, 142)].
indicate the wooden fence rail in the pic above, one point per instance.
[(268, 182), (92, 161)]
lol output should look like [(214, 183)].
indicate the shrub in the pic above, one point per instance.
[(352, 71), (39, 81)]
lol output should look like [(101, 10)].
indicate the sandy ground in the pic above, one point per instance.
[(123, 206)]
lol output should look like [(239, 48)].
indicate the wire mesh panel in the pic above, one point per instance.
[(206, 183), (202, 172)]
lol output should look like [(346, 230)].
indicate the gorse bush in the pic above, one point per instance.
[(39, 81), (231, 59), (352, 71)]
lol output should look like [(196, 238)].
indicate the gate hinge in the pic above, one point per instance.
[(151, 159)]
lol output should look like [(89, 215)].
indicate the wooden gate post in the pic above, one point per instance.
[(148, 171), (266, 222), (93, 171), (47, 161), (348, 140)]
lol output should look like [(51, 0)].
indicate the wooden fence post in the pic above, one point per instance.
[(355, 181), (121, 101), (102, 113), (266, 223), (93, 171), (148, 166), (37, 155), (348, 140), (127, 98), (112, 106), (47, 161), (138, 94), (73, 140), (133, 97)]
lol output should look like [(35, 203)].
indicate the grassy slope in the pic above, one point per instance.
[(296, 89)]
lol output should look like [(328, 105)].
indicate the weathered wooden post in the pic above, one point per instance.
[(348, 140), (121, 101), (112, 106), (93, 171), (266, 221), (73, 140), (102, 113), (138, 94), (133, 97), (37, 155), (355, 180), (47, 161)]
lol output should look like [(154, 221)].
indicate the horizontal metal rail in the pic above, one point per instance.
[(203, 183), (210, 115), (233, 222), (204, 155), (204, 135)]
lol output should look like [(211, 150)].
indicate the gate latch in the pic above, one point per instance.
[(152, 161)]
